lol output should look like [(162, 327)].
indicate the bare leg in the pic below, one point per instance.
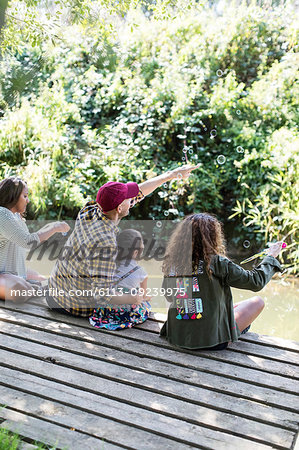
[(14, 288), (247, 311)]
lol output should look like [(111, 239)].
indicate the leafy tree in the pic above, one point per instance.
[(163, 87)]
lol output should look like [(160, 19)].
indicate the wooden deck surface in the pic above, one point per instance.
[(67, 384)]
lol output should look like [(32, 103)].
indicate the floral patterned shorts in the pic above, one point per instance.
[(120, 318)]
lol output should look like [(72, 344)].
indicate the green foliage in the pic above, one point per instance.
[(12, 441), (219, 88), (271, 210), (8, 440)]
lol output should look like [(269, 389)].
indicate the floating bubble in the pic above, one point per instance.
[(205, 128), (185, 149), (165, 185), (166, 213), (246, 244), (219, 73), (213, 133), (159, 224), (190, 151), (183, 158), (221, 159), (238, 112), (240, 149)]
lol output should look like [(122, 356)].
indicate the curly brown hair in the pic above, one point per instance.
[(198, 237)]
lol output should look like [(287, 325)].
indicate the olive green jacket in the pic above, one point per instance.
[(209, 318)]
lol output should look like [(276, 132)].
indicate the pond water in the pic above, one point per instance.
[(280, 317)]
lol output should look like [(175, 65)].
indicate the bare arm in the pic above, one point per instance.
[(143, 286), (148, 186), (51, 228)]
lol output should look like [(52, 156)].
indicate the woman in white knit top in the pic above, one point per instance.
[(15, 238)]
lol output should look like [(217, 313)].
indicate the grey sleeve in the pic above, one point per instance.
[(15, 232)]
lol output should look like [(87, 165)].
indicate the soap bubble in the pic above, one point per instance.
[(219, 73), (165, 185), (190, 151), (221, 159), (159, 224), (213, 133), (246, 244), (240, 149), (238, 112), (185, 149), (183, 158), (166, 213)]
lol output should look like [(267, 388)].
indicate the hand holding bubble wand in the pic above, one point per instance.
[(260, 254)]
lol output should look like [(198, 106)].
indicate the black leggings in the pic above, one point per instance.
[(222, 346)]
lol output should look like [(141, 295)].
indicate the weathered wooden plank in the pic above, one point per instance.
[(221, 400), (272, 341), (84, 423), (49, 433), (120, 340), (71, 396), (158, 387), (249, 347), (156, 320), (96, 425), (128, 390), (250, 361), (233, 357)]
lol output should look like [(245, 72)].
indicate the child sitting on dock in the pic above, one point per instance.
[(130, 277), (201, 314)]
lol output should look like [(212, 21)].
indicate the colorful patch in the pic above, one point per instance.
[(195, 286), (182, 284), (189, 308)]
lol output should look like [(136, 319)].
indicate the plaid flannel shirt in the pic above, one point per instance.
[(86, 263)]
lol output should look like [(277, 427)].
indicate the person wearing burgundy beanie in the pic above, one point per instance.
[(87, 262)]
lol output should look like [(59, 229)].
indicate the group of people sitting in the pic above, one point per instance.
[(100, 259)]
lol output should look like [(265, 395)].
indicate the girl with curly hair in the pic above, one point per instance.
[(199, 277)]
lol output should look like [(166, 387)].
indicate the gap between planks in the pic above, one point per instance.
[(138, 329), (181, 423), (154, 377), (144, 362), (124, 339)]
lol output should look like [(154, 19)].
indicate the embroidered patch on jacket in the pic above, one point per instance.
[(195, 286)]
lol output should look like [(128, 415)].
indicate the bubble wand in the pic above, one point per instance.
[(260, 254)]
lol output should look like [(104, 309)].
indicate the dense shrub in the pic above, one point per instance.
[(217, 89)]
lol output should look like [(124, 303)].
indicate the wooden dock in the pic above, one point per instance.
[(72, 386)]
